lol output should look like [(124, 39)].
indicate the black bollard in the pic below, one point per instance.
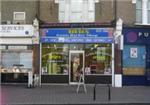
[(94, 92), (109, 93)]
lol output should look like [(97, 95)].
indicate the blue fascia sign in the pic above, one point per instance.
[(76, 40), (77, 35)]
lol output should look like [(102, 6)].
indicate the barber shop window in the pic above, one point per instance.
[(55, 59), (98, 59)]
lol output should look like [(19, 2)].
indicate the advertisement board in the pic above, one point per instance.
[(77, 35), (16, 30), (138, 36)]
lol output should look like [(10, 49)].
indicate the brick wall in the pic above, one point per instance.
[(9, 6), (126, 11)]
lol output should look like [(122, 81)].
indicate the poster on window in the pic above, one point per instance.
[(101, 53), (133, 53)]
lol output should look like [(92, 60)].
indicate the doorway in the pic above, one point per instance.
[(76, 63)]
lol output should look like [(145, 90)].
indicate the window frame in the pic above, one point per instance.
[(85, 15), (144, 13), (22, 13)]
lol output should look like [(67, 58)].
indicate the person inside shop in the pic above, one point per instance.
[(87, 69), (66, 70), (79, 71)]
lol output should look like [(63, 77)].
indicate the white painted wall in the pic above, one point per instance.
[(118, 80), (16, 41), (112, 65)]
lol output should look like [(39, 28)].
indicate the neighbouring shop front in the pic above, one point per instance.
[(16, 53), (64, 51), (136, 56)]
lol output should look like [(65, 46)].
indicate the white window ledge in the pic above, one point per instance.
[(141, 24), (56, 1)]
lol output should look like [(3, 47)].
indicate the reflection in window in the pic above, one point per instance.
[(55, 59), (98, 59), (12, 58)]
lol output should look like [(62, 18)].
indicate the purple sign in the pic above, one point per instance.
[(136, 35)]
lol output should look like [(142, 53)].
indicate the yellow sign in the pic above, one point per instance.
[(78, 31), (55, 57), (99, 57)]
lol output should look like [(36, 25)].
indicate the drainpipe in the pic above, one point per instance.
[(119, 41), (38, 9), (114, 4), (115, 11)]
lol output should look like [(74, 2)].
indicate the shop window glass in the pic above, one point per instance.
[(55, 59), (98, 59), (11, 59), (26, 59)]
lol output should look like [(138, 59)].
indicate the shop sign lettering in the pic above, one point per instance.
[(76, 40), (99, 57), (77, 35), (16, 30), (10, 28), (145, 34), (17, 47), (136, 35), (55, 57), (78, 31)]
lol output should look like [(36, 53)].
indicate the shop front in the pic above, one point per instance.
[(16, 53), (66, 52), (136, 56)]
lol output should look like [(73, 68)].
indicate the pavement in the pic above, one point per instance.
[(66, 94)]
